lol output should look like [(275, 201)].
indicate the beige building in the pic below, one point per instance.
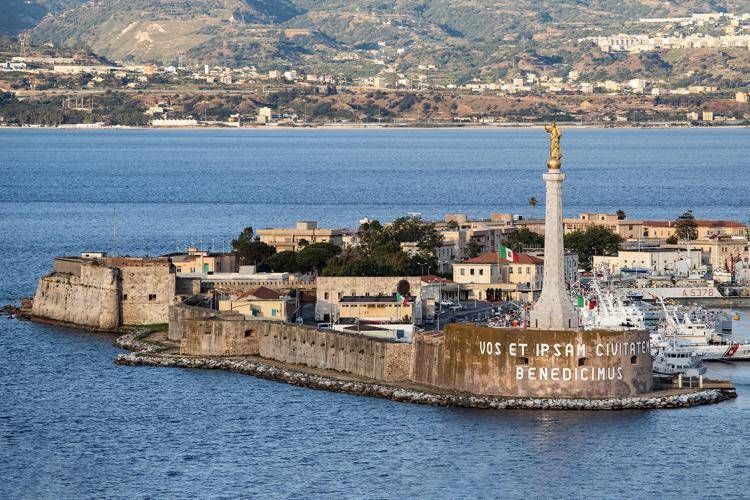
[(583, 222), (706, 228), (264, 116), (444, 254), (658, 261), (379, 308), (489, 277), (458, 229), (631, 229), (720, 252), (306, 232), (332, 289), (261, 303), (203, 262)]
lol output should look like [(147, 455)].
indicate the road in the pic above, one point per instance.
[(472, 310)]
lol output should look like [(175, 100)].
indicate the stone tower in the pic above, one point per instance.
[(554, 310)]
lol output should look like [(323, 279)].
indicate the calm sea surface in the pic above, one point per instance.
[(74, 425)]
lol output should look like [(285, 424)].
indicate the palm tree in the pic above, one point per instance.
[(533, 202)]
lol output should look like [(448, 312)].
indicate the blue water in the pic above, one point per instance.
[(74, 425)]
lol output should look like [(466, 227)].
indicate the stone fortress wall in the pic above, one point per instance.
[(230, 334), (534, 363), (147, 290), (79, 294), (104, 294), (467, 359)]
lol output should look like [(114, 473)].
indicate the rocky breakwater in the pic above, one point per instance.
[(411, 395), (132, 341)]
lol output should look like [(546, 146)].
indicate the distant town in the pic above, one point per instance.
[(49, 86)]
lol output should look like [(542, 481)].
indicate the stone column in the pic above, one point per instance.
[(554, 309)]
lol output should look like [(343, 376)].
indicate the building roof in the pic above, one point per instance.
[(494, 258), (698, 222), (262, 293)]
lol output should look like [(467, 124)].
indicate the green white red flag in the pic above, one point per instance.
[(506, 253)]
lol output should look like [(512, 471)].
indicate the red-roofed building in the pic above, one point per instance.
[(490, 277), (706, 228)]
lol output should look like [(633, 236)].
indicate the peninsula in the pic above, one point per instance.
[(546, 361)]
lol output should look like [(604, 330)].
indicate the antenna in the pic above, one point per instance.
[(114, 232)]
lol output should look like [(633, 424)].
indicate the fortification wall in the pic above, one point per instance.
[(88, 298), (427, 358), (536, 363), (220, 336), (287, 343), (147, 294), (179, 314)]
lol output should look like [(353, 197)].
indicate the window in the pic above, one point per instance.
[(582, 361), (463, 271), (249, 333), (151, 296), (633, 360), (510, 270), (471, 271), (273, 313), (481, 272), (124, 296), (523, 360), (325, 295), (528, 270)]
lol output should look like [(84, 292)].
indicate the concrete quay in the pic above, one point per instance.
[(152, 351)]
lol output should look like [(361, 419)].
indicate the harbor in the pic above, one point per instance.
[(64, 382), (598, 349)]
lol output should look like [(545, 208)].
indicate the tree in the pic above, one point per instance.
[(472, 248), (685, 226), (283, 262), (533, 202), (452, 224), (302, 243), (314, 257), (596, 240), (250, 249), (621, 214), (524, 238)]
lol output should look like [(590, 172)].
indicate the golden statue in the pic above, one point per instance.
[(555, 154)]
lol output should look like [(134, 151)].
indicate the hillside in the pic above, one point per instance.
[(461, 38), (19, 15)]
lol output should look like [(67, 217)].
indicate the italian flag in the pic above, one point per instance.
[(506, 253)]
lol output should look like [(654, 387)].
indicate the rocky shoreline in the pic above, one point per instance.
[(361, 388)]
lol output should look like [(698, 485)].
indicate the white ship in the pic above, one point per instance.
[(671, 360), (610, 312), (699, 337)]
